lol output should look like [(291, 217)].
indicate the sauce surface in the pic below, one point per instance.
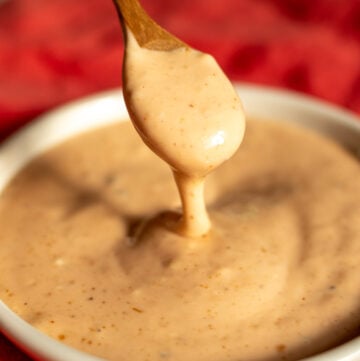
[(276, 278)]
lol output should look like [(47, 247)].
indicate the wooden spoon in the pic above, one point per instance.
[(162, 80), (146, 31)]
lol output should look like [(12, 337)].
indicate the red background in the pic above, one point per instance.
[(52, 51)]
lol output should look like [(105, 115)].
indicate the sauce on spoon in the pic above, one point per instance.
[(185, 109)]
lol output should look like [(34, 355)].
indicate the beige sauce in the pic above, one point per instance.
[(187, 112), (276, 279)]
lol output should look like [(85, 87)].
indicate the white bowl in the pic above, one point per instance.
[(109, 107)]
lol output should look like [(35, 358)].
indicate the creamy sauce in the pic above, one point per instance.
[(187, 112), (277, 278)]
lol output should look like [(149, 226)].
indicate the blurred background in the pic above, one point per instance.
[(53, 51)]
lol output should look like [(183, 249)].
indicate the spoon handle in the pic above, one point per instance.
[(146, 31)]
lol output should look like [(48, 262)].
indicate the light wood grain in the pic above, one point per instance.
[(146, 31)]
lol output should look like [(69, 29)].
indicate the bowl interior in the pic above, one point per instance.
[(108, 107)]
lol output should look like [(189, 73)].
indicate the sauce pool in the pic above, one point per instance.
[(276, 278)]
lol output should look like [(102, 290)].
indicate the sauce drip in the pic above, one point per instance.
[(187, 112)]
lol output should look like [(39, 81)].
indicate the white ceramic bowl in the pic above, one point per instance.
[(108, 107)]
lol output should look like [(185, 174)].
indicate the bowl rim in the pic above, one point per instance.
[(108, 107)]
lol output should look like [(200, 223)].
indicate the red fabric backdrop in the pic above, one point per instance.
[(52, 51)]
